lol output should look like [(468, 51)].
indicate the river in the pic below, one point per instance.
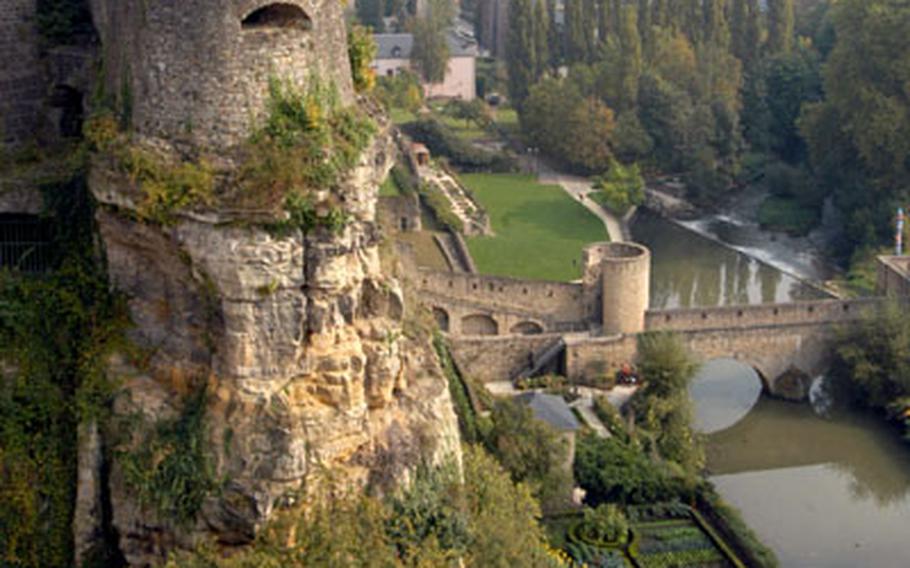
[(689, 270), (822, 491)]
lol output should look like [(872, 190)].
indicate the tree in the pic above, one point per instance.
[(361, 52), (738, 20), (370, 13), (521, 52), (554, 37), (430, 54), (662, 407), (604, 22), (530, 450), (541, 24), (873, 357), (792, 80), (613, 472), (504, 515), (665, 364), (716, 29), (859, 137), (631, 64), (575, 38), (644, 25), (622, 187), (752, 31), (780, 26)]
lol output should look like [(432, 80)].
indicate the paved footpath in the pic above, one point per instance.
[(578, 188)]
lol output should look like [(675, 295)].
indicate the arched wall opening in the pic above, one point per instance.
[(442, 319), (527, 328), (724, 391), (277, 16), (479, 324), (69, 102)]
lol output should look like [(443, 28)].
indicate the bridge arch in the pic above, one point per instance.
[(527, 327), (479, 324), (442, 318), (724, 391)]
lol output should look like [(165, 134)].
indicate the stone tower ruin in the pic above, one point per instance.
[(199, 70)]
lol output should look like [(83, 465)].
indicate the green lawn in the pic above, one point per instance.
[(401, 116), (540, 230)]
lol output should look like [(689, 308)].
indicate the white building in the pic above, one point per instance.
[(394, 55)]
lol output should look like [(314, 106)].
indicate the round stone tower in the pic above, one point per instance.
[(625, 280), (198, 71)]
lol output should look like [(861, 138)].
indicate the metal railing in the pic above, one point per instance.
[(25, 243)]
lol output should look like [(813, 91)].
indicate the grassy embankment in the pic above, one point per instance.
[(540, 230)]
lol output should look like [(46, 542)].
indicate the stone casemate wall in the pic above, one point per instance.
[(198, 70), (21, 81)]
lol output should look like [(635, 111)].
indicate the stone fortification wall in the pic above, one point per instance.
[(550, 300), (894, 276), (21, 82), (193, 71), (591, 359), (733, 317), (496, 358)]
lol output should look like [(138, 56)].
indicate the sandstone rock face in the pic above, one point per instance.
[(300, 338)]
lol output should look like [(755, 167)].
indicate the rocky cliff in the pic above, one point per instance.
[(302, 341)]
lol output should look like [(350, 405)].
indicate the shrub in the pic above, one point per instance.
[(170, 468), (442, 141), (307, 142), (621, 188), (361, 52), (612, 472), (603, 525)]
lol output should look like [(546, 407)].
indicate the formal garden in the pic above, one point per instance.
[(662, 535)]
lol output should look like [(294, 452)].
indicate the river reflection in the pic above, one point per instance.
[(689, 270), (820, 491)]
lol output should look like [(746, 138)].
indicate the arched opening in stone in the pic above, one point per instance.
[(442, 319), (724, 391), (25, 243), (479, 324), (69, 102), (277, 16), (527, 328)]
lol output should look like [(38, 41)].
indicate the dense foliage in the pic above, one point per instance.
[(442, 141), (872, 359), (170, 469), (531, 451), (859, 136), (486, 520), (663, 409), (56, 331), (621, 188), (611, 471)]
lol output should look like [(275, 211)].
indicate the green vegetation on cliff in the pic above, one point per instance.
[(439, 520), (56, 330)]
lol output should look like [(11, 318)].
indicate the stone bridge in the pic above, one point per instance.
[(499, 327)]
